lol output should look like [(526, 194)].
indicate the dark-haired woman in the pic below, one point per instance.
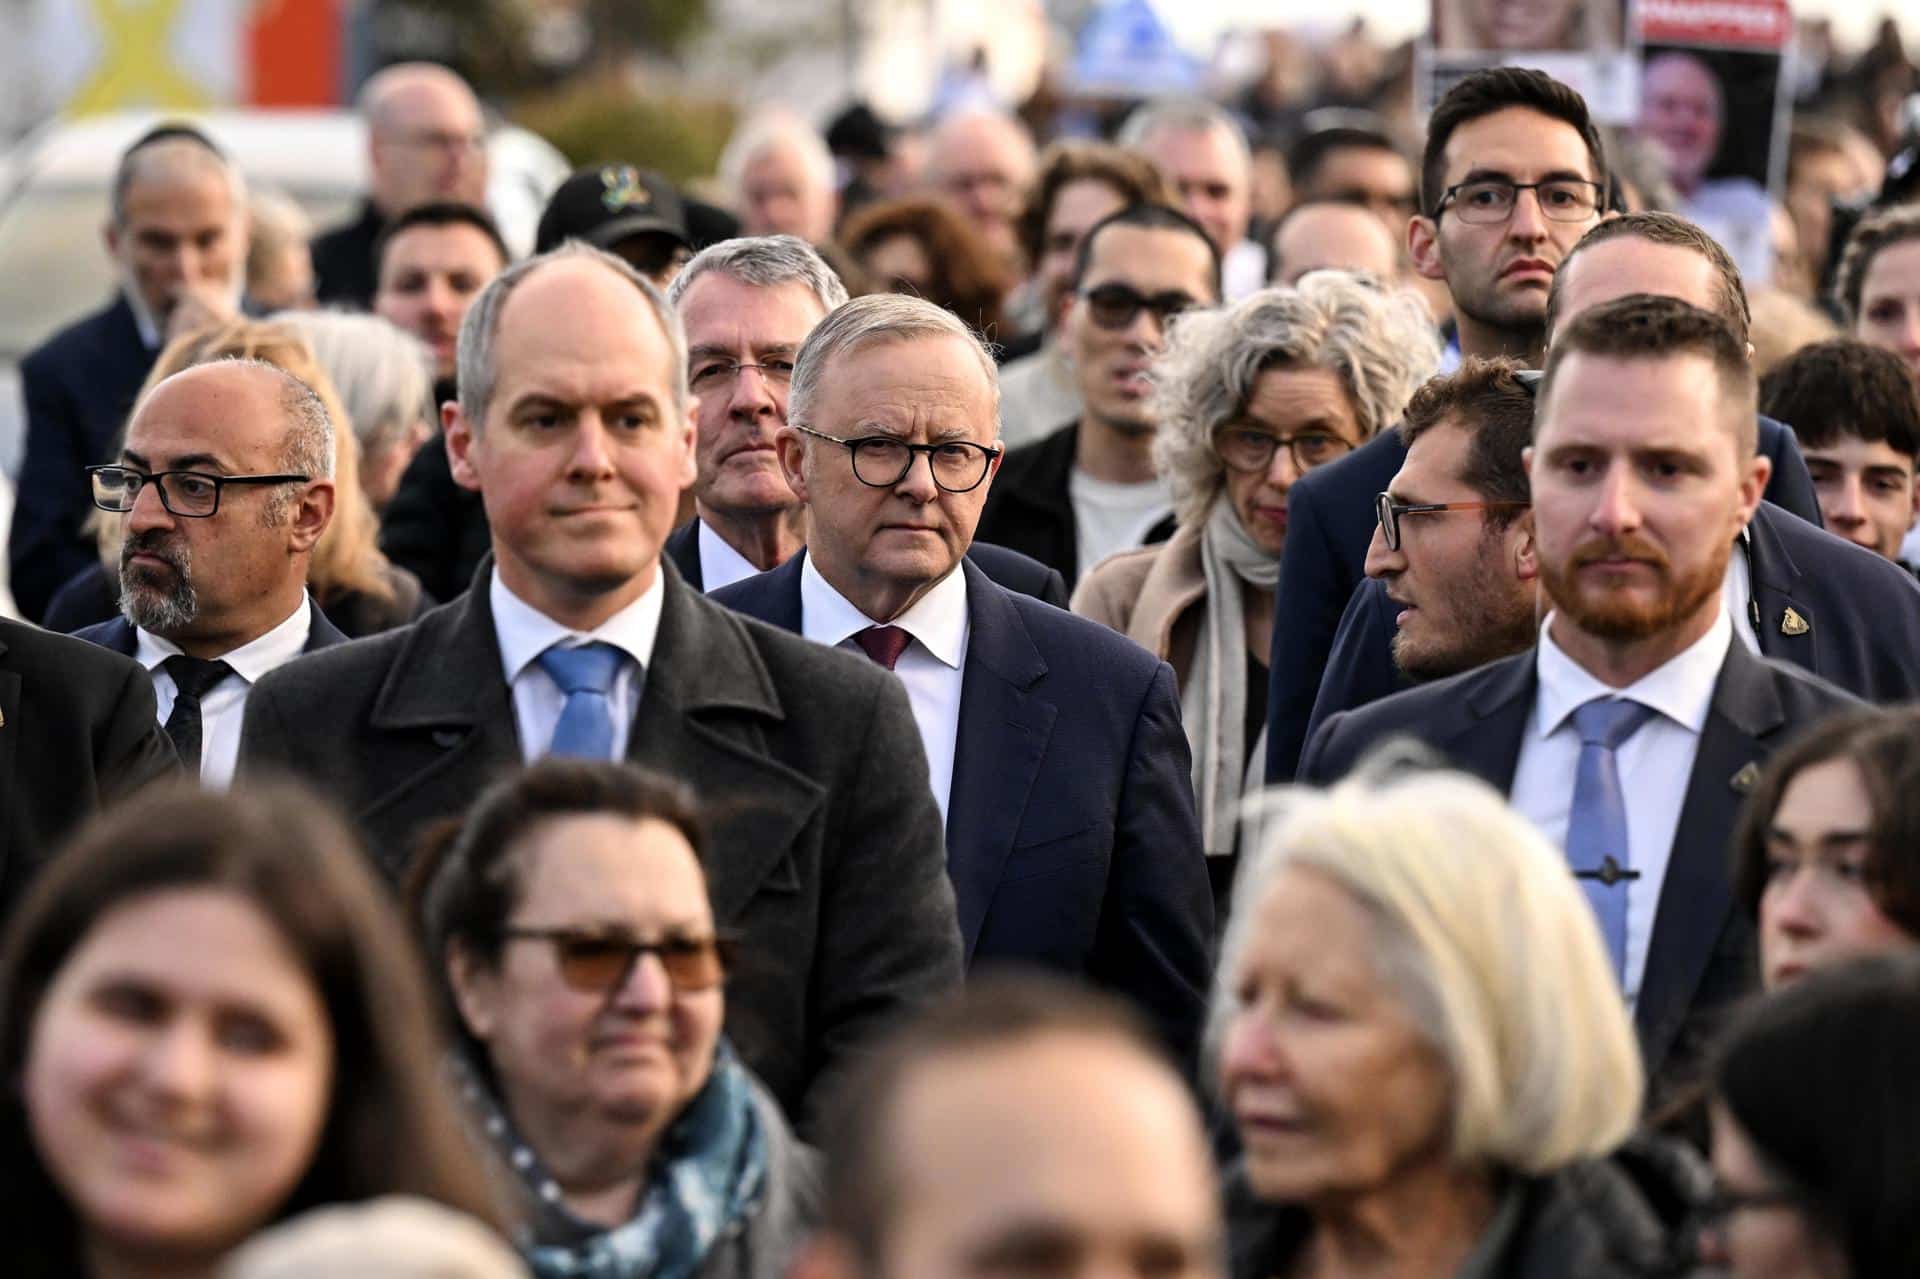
[(1816, 1129), (570, 914), (214, 1020), (1827, 854)]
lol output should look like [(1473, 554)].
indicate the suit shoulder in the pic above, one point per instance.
[(67, 344), (796, 660), (1806, 696), (75, 658), (1075, 642), (1443, 699)]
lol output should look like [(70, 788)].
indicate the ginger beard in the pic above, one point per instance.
[(1611, 610)]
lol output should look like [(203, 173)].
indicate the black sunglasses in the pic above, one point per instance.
[(1114, 306)]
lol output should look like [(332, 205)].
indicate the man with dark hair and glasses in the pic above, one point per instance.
[(1054, 746), (1090, 488), (225, 481)]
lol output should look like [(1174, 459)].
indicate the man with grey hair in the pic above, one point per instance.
[(780, 175), (177, 234), (1053, 744), (426, 142), (1204, 156), (575, 426), (984, 162), (226, 483)]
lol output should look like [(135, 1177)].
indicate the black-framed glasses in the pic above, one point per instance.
[(1244, 448), (1388, 513), (1490, 201), (880, 461), (600, 963), (709, 375), (192, 494), (1114, 306)]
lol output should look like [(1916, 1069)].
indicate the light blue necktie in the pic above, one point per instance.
[(1597, 824), (585, 674)]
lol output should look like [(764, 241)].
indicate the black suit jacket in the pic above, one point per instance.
[(1329, 526), (79, 387), (1702, 952), (77, 730), (344, 272), (1072, 840), (118, 633), (826, 853), (1010, 569), (1030, 506), (433, 528), (1861, 613)]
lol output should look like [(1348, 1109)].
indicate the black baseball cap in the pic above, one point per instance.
[(605, 205)]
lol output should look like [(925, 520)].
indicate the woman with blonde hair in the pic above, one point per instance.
[(1249, 398), (359, 590), (1420, 1040)]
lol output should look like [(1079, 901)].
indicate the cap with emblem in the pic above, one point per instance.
[(606, 205)]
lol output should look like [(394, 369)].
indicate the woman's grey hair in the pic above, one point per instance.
[(383, 373), (878, 317), (1485, 939), (482, 325), (766, 262), (775, 126), (1380, 342)]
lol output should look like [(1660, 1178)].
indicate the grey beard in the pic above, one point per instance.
[(161, 612)]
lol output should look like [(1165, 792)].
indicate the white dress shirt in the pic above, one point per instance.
[(1656, 763), (525, 632), (932, 667), (1737, 591), (223, 706), (720, 564)]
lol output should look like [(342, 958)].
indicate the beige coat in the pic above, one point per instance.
[(1154, 595)]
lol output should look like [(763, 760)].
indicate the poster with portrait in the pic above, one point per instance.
[(1714, 106), (1587, 44)]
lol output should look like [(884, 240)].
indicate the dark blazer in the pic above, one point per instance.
[(1329, 526), (1702, 953), (1030, 507), (344, 272), (826, 841), (118, 633), (1861, 612), (77, 729), (79, 387), (433, 528), (1071, 835), (1011, 569)]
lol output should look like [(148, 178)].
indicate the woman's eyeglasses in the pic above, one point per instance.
[(602, 962)]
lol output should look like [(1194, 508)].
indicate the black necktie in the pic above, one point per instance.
[(192, 680)]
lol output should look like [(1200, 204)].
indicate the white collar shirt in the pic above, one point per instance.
[(524, 632), (1737, 591), (224, 706), (933, 666), (1656, 763), (720, 564)]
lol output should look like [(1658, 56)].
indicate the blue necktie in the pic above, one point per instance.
[(1597, 824), (585, 674)]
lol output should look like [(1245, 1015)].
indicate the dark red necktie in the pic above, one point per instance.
[(883, 644)]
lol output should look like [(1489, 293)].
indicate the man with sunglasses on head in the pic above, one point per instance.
[(1091, 488), (226, 483), (1053, 744)]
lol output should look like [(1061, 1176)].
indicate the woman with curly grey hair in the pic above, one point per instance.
[(1249, 398)]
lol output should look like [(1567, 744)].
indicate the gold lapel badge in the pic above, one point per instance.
[(1744, 780), (1791, 623)]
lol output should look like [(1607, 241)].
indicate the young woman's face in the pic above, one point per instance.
[(177, 1074)]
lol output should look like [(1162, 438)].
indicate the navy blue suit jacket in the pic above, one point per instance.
[(1072, 839), (1011, 569), (1329, 525), (1702, 952), (1862, 614), (118, 634), (79, 387)]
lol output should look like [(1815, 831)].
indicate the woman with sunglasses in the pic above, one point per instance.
[(1816, 1129), (212, 1019), (1249, 398), (569, 914)]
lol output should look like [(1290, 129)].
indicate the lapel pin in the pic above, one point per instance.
[(1791, 623), (1744, 779)]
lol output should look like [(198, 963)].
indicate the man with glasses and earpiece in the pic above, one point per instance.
[(1054, 747), (225, 482), (1090, 488)]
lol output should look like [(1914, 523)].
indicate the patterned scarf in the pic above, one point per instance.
[(709, 1172)]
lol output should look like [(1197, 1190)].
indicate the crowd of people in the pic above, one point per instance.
[(995, 715)]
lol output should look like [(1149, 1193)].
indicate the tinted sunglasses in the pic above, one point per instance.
[(602, 962), (1115, 306)]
